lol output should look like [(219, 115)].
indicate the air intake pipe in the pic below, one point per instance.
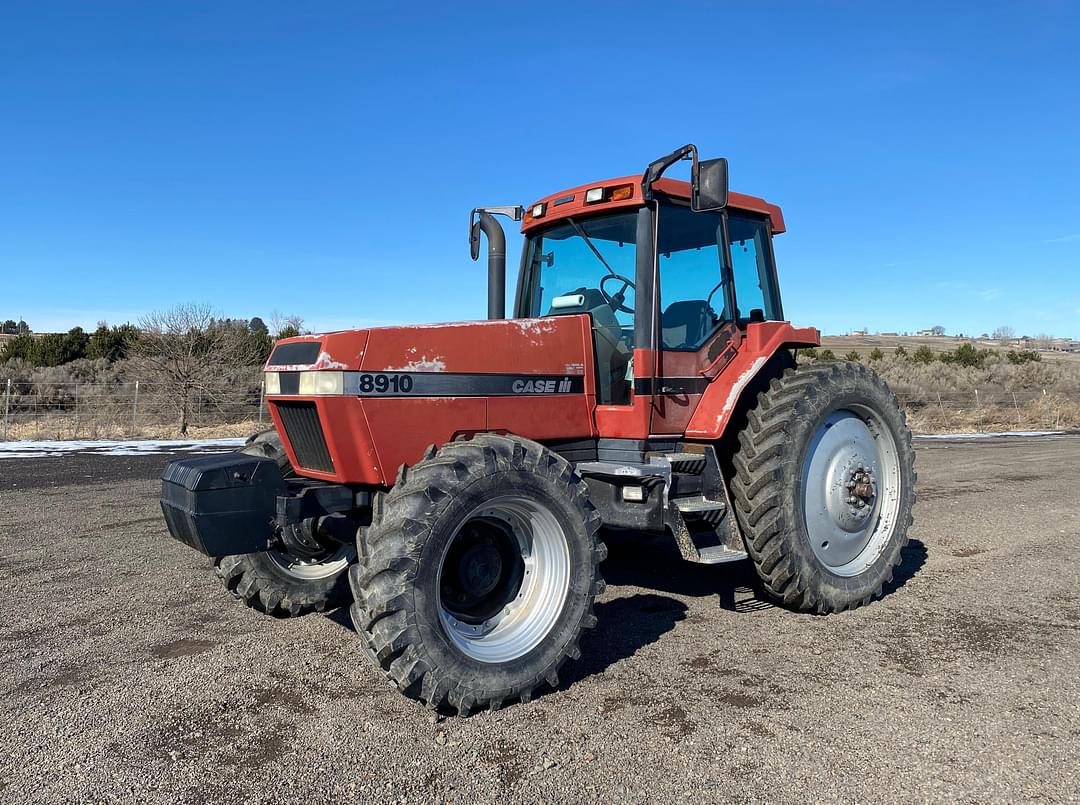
[(482, 219)]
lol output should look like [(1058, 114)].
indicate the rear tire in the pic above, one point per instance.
[(824, 486), (276, 582), (478, 573)]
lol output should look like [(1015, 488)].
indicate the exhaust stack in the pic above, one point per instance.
[(496, 238)]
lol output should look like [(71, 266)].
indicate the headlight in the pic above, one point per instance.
[(273, 383), (322, 383)]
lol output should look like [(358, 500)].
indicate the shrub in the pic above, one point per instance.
[(1020, 356), (809, 352), (923, 355), (966, 355), (852, 356), (827, 355), (900, 352), (876, 355)]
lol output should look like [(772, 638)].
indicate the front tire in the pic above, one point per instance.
[(276, 582), (824, 486), (478, 573)]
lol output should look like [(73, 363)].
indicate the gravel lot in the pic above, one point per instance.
[(129, 676)]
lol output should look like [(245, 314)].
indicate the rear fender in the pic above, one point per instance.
[(721, 398)]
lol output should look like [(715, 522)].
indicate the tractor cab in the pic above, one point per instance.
[(672, 274)]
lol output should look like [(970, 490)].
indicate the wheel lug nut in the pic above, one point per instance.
[(853, 500)]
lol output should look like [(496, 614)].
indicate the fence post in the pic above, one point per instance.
[(135, 411), (7, 407), (944, 417), (262, 399), (1019, 419), (75, 432)]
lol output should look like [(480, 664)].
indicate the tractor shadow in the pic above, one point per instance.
[(654, 563), (641, 616)]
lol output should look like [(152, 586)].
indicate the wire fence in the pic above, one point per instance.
[(73, 410)]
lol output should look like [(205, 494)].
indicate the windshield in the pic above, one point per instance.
[(590, 257)]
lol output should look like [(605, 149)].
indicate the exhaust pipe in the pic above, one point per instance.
[(496, 238)]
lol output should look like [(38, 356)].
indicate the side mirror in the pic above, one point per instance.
[(709, 185)]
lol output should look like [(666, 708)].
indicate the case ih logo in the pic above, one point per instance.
[(522, 386)]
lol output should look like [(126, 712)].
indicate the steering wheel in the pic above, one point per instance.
[(616, 299)]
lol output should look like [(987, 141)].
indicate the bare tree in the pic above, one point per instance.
[(938, 329), (1044, 341), (186, 354), (285, 326), (1004, 334)]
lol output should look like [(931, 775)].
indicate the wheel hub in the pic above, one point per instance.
[(479, 570), (849, 462), (504, 579)]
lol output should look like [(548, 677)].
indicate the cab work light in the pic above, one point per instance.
[(594, 195), (315, 383), (538, 210), (273, 383)]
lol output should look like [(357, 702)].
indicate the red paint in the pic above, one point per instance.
[(370, 437), (671, 187), (760, 341)]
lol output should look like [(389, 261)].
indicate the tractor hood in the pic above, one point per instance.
[(353, 406), (546, 346)]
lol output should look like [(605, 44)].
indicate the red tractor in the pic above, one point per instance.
[(451, 480)]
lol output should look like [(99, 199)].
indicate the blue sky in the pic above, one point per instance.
[(321, 158)]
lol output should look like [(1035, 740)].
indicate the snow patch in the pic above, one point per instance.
[(987, 435), (106, 447)]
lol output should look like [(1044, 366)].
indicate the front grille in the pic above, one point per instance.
[(304, 432)]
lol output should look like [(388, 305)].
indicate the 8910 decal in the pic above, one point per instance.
[(383, 384), (451, 384)]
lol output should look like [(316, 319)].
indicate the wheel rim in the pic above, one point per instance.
[(312, 570), (503, 579), (851, 489)]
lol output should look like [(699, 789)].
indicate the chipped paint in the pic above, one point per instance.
[(739, 385), (425, 364), (325, 361), (535, 326)]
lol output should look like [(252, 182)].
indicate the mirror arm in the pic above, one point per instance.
[(656, 168)]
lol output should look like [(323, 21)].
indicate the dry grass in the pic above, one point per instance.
[(63, 427), (1053, 412)]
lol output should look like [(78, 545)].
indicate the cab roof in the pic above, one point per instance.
[(572, 201)]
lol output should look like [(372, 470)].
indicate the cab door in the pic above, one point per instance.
[(705, 303)]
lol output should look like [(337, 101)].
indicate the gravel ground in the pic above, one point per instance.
[(129, 676)]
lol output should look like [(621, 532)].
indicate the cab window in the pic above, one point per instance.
[(752, 267), (691, 286)]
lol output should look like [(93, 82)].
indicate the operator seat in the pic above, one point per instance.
[(612, 353), (687, 324)]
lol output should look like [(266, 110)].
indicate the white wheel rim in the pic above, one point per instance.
[(851, 490), (529, 611), (313, 570)]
